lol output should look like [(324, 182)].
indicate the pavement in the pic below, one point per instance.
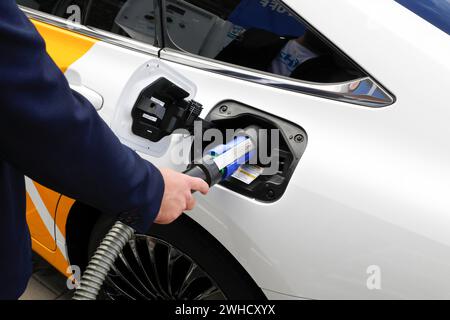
[(46, 283)]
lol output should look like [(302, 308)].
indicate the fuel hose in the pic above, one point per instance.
[(219, 164)]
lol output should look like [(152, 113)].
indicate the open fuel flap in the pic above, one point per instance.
[(158, 102), (281, 145)]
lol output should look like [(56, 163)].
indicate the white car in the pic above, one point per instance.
[(360, 90)]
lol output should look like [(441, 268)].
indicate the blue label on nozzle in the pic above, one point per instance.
[(233, 164)]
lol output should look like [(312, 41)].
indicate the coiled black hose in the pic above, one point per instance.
[(102, 261), (120, 234)]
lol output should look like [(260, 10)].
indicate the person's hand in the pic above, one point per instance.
[(178, 195)]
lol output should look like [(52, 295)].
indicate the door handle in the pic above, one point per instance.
[(93, 97)]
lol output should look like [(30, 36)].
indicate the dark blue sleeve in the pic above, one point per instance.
[(56, 137)]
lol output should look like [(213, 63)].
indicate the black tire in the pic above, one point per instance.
[(186, 239)]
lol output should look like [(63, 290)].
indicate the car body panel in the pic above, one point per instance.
[(41, 203), (340, 214), (65, 47), (372, 187)]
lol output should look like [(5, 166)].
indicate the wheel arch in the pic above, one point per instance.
[(105, 222), (80, 222)]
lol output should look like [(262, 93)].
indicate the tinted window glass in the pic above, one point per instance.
[(436, 12), (129, 18), (257, 34)]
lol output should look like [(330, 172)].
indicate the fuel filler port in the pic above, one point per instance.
[(271, 149)]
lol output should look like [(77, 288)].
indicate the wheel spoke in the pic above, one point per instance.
[(193, 275), (151, 250), (173, 257), (120, 276), (211, 292), (134, 276), (150, 268), (152, 290), (117, 288)]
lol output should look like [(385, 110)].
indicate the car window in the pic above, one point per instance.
[(437, 12), (257, 34), (128, 18)]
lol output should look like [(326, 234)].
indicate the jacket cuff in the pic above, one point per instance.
[(141, 219)]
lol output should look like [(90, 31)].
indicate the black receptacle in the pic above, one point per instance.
[(292, 144)]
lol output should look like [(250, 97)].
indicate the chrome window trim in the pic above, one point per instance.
[(336, 91), (99, 34)]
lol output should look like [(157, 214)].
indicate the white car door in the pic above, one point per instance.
[(352, 222), (308, 242)]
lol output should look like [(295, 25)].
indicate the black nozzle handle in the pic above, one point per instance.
[(207, 170), (198, 172)]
